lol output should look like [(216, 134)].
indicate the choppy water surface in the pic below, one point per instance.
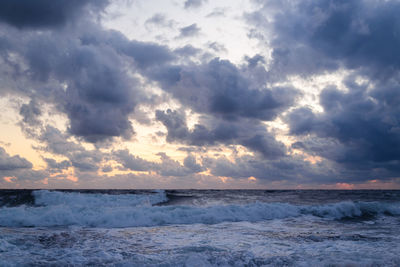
[(200, 228)]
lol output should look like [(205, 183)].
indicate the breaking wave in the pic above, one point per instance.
[(76, 199), (132, 210)]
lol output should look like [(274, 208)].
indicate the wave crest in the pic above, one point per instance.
[(132, 210), (97, 200)]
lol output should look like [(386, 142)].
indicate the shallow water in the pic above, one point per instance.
[(200, 228)]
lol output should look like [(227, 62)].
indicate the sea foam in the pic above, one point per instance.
[(132, 210)]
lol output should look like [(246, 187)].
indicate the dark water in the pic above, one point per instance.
[(200, 227)]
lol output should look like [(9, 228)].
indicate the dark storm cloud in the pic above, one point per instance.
[(292, 170), (170, 167), (99, 96), (44, 13), (234, 101), (58, 143), (288, 169), (220, 88), (167, 167), (314, 36), (175, 123), (87, 82), (194, 3), (266, 144), (84, 71), (190, 163), (30, 112), (86, 161), (255, 60), (189, 31), (132, 162), (57, 165), (10, 163), (358, 129), (145, 54), (248, 133), (96, 92)]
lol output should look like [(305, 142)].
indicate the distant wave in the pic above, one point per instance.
[(94, 200), (132, 210)]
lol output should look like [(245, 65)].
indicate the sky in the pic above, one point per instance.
[(256, 94)]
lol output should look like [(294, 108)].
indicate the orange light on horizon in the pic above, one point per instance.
[(224, 179), (345, 186), (72, 178), (9, 179)]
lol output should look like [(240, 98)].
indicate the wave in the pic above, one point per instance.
[(133, 210), (95, 200)]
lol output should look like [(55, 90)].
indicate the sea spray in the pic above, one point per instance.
[(134, 210)]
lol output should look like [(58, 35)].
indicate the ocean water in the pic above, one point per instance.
[(199, 228)]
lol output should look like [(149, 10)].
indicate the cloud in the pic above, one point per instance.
[(189, 31), (255, 60), (217, 12), (30, 112), (358, 129), (45, 13), (98, 79), (194, 3), (10, 163), (175, 123), (222, 89), (57, 143), (167, 167), (159, 20), (190, 163), (57, 165), (170, 167), (89, 83), (233, 101), (145, 54), (217, 47), (187, 51), (16, 171), (212, 132), (85, 71), (107, 168), (311, 37), (292, 170), (132, 162)]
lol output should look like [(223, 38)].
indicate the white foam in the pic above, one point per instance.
[(298, 241), (350, 209), (132, 210)]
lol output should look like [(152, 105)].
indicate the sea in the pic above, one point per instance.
[(199, 228)]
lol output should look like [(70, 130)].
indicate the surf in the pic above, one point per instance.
[(55, 208)]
